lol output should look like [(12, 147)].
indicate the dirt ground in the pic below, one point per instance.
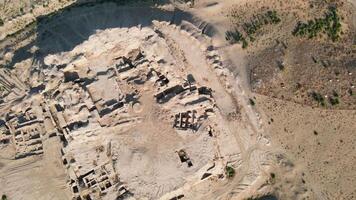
[(41, 177), (321, 144), (317, 141)]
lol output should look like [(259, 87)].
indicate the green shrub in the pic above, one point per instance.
[(330, 24), (350, 91), (245, 31), (334, 101), (233, 36), (229, 171), (4, 197), (244, 43), (319, 98), (252, 102), (1, 22), (335, 94), (272, 178)]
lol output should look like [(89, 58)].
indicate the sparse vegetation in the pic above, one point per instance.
[(335, 94), (334, 100), (319, 98), (1, 22), (330, 25), (267, 197), (252, 102), (280, 65), (350, 91), (245, 33), (234, 36), (4, 197), (229, 171)]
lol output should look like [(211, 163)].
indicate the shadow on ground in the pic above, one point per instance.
[(62, 31)]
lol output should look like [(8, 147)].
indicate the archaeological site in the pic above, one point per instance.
[(177, 100)]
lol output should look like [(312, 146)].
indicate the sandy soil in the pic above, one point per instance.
[(321, 144), (310, 155)]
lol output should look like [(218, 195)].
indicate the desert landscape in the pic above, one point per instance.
[(159, 99)]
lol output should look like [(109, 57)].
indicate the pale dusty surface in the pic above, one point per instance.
[(126, 102)]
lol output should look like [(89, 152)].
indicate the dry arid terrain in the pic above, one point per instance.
[(177, 99)]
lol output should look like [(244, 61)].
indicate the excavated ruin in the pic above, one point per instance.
[(140, 102)]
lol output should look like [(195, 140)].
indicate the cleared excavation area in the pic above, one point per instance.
[(123, 103)]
